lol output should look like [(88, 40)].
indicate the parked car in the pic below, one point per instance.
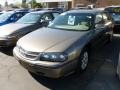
[(37, 9), (10, 17), (10, 33), (60, 10), (115, 13), (77, 8), (65, 45), (23, 9)]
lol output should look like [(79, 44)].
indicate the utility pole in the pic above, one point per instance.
[(23, 3), (31, 3)]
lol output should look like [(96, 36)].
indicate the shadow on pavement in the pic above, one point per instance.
[(7, 50)]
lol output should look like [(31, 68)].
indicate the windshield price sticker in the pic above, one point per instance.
[(71, 20)]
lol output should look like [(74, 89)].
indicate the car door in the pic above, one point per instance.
[(99, 29), (108, 25)]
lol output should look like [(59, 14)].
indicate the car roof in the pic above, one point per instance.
[(87, 11), (43, 11), (112, 6), (14, 11)]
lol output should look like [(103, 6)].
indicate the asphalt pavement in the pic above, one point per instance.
[(100, 74)]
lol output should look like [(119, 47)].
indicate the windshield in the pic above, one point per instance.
[(72, 21), (5, 16), (30, 18), (114, 12)]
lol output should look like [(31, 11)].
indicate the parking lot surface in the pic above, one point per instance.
[(100, 74)]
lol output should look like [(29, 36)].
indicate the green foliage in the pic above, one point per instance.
[(24, 5), (35, 4)]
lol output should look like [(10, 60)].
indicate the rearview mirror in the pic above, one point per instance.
[(44, 23)]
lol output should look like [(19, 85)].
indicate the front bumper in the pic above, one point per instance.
[(44, 68)]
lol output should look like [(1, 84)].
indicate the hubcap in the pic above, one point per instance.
[(84, 60)]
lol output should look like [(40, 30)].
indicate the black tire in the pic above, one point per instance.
[(82, 63)]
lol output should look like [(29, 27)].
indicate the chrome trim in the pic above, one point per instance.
[(28, 54)]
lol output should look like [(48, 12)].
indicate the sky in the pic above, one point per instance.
[(2, 2)]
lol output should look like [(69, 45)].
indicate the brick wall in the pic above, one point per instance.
[(75, 2), (99, 3), (103, 3), (52, 4)]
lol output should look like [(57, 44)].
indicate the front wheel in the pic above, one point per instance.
[(83, 60)]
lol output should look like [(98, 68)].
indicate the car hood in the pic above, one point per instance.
[(50, 40), (11, 28)]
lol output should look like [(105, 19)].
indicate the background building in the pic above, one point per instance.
[(73, 3)]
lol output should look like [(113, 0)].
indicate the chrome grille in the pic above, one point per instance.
[(27, 54)]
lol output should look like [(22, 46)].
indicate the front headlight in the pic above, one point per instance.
[(55, 57)]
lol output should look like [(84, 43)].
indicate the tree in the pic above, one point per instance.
[(14, 6), (24, 5), (0, 6), (34, 4), (6, 3)]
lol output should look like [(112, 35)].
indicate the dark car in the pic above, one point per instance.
[(115, 13), (77, 8), (23, 9), (60, 10), (10, 33), (11, 16), (65, 45)]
